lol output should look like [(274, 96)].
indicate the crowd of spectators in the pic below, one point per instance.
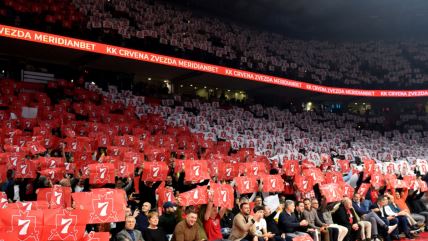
[(385, 173), (170, 29)]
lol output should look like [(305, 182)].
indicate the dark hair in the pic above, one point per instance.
[(242, 204), (380, 198), (258, 208), (299, 202), (306, 199), (190, 209)]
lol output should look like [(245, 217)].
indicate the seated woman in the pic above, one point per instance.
[(153, 232)]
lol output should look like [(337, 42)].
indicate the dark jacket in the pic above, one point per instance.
[(359, 209), (288, 223), (341, 217), (271, 224)]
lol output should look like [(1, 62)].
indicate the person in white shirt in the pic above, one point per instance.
[(259, 228)]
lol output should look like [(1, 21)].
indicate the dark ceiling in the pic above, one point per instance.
[(325, 19)]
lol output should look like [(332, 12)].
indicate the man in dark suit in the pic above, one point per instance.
[(129, 233), (379, 209), (288, 223), (347, 217)]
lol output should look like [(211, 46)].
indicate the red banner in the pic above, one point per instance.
[(343, 166), (29, 205), (222, 195), (291, 167), (304, 237), (50, 162), (63, 224), (304, 184), (410, 180), (196, 170), (3, 200), (377, 180), (255, 169), (54, 174), (83, 45), (246, 184), (97, 236), (369, 166), (26, 169), (315, 174), (101, 173), (364, 188), (165, 194), (196, 196), (227, 171), (348, 190), (103, 205), (24, 225), (125, 169), (273, 183), (332, 192), (155, 171), (61, 196), (333, 177)]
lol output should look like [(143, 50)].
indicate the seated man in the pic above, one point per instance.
[(379, 209), (259, 229), (288, 223), (392, 207), (272, 225), (400, 201), (370, 216), (311, 216), (242, 223), (187, 229), (129, 233), (325, 214), (347, 217), (404, 218)]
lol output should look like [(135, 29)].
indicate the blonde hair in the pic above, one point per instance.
[(152, 214)]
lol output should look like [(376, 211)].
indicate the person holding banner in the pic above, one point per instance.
[(400, 199), (272, 225), (212, 219), (325, 215)]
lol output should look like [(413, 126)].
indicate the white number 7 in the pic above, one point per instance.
[(196, 170), (247, 184), (273, 183), (224, 194), (24, 224), (103, 206), (66, 222), (23, 169), (155, 171), (103, 172), (58, 197)]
